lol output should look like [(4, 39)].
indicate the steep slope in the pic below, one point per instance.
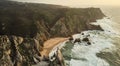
[(18, 51), (43, 21), (76, 20)]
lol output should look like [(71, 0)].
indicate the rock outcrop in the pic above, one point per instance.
[(18, 51), (76, 20)]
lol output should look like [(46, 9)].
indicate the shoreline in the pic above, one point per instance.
[(50, 44)]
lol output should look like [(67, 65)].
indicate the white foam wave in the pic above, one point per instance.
[(82, 55), (99, 43), (106, 24)]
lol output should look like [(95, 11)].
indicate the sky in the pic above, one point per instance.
[(77, 3)]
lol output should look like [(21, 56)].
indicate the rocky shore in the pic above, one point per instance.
[(26, 27)]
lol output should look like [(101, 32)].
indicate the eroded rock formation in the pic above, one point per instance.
[(18, 51)]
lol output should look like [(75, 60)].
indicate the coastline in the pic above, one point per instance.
[(50, 44)]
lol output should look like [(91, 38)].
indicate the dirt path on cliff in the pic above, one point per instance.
[(50, 44)]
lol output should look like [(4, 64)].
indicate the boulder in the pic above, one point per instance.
[(77, 40), (82, 33), (88, 43), (85, 39), (71, 38)]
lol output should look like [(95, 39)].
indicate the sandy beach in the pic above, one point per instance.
[(50, 44)]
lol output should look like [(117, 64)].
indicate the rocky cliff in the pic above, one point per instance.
[(43, 21), (18, 51), (76, 20), (36, 23)]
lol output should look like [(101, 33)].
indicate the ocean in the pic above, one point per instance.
[(104, 49), (113, 12)]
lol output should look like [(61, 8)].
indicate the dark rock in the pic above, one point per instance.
[(82, 33), (77, 40), (71, 38), (88, 43), (46, 58), (85, 39)]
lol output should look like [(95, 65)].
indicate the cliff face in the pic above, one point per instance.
[(76, 20), (36, 23), (42, 21), (18, 51)]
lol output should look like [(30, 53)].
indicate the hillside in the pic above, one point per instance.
[(36, 23), (45, 20)]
